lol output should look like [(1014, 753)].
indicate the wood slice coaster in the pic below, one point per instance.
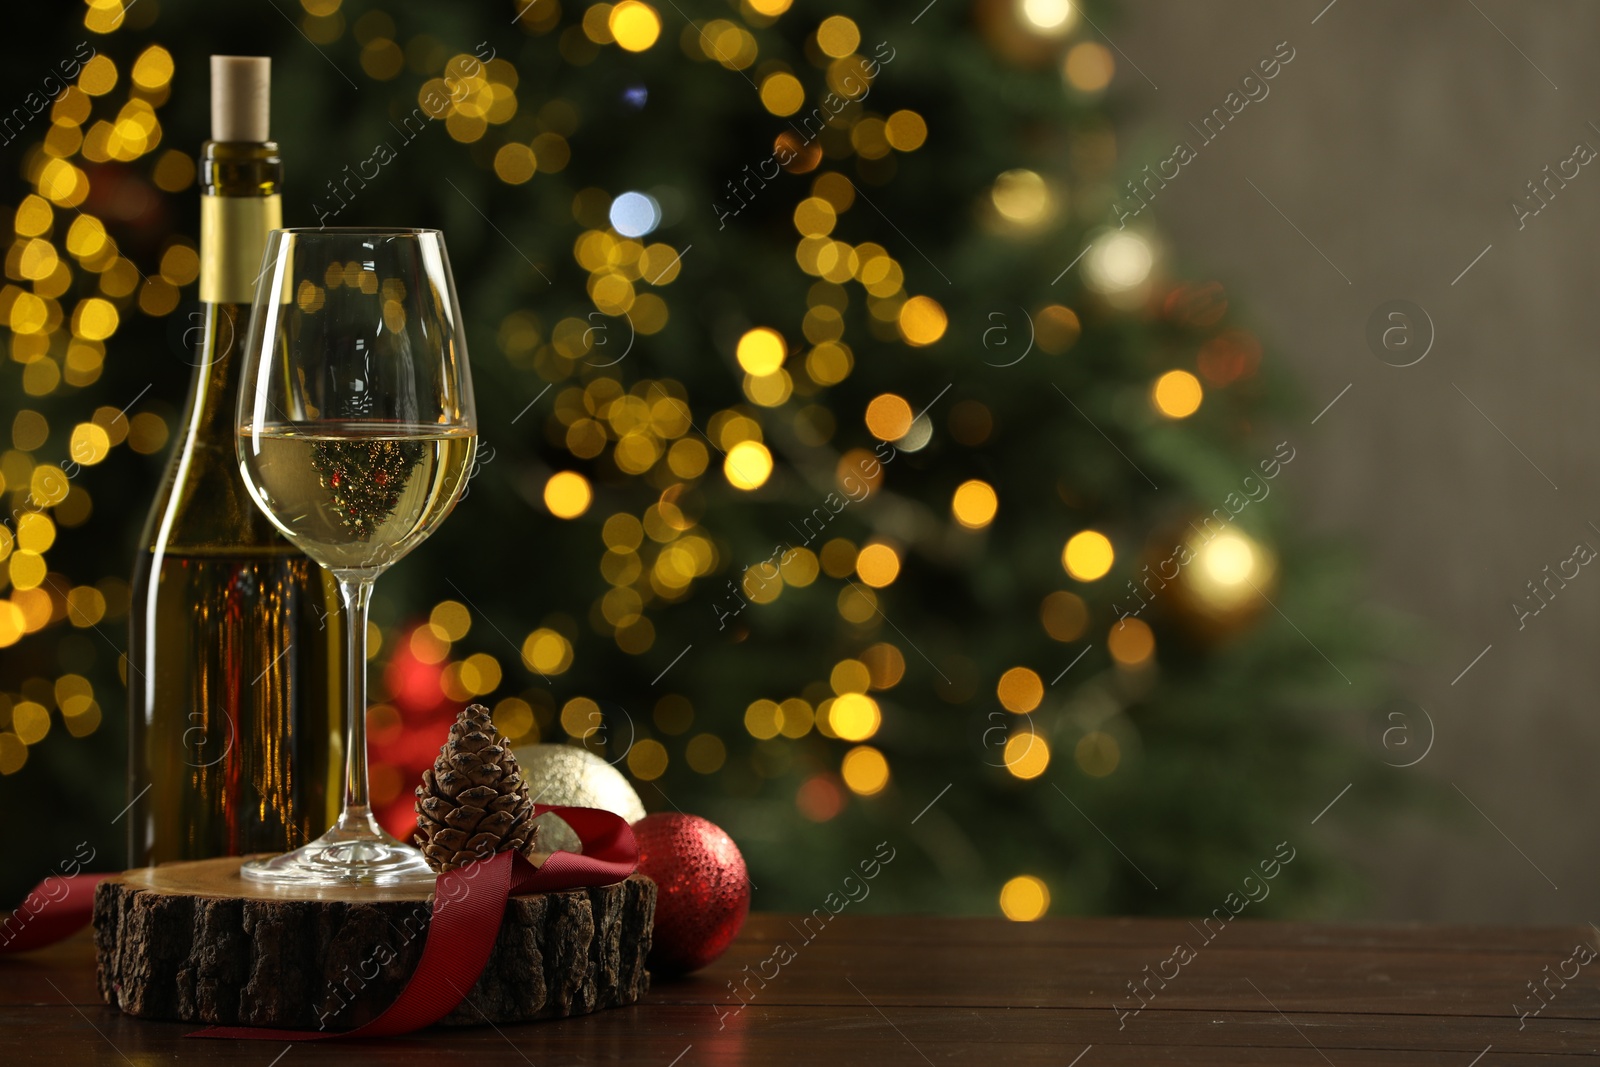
[(194, 941)]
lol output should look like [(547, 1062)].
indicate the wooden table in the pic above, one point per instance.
[(888, 991)]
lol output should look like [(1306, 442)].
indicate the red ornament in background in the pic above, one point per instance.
[(704, 892)]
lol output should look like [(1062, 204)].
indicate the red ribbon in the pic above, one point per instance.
[(50, 914), (468, 904)]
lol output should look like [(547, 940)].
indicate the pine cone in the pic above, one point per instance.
[(472, 802)]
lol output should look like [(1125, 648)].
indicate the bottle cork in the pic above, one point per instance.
[(239, 97)]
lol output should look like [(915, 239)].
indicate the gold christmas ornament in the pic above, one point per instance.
[(575, 777)]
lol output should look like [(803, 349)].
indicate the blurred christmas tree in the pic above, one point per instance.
[(849, 474)]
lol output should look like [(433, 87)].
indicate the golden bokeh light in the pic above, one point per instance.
[(888, 417), (1131, 642), (428, 645), (885, 665), (1021, 197), (1177, 394), (878, 565), (815, 217), (153, 68), (1020, 690), (782, 94), (13, 753), (838, 36), (647, 759), (546, 652), (795, 718), (1088, 555), (581, 718), (31, 721), (974, 504), (922, 321), (748, 465), (905, 131), (513, 717), (1057, 328), (567, 494), (1027, 755), (1089, 66), (451, 619), (635, 26), (762, 719), (849, 676), (761, 351), (515, 163), (1024, 899), (854, 716), (864, 770), (705, 754)]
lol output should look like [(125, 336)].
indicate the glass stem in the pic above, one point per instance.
[(356, 593)]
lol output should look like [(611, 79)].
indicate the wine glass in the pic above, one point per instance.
[(356, 435)]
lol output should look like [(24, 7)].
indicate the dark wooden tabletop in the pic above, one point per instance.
[(887, 991)]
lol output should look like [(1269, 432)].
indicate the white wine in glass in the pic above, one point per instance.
[(356, 437), (358, 496)]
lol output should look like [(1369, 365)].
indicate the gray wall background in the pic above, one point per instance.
[(1395, 141)]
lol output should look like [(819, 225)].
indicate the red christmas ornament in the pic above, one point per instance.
[(704, 892)]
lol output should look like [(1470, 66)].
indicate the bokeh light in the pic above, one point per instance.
[(1020, 690), (1229, 568), (888, 417), (1027, 755), (1117, 262), (634, 25), (761, 351), (838, 36), (1177, 394), (1024, 898), (567, 494), (854, 716), (635, 214), (864, 770), (1048, 18), (878, 565), (1088, 555), (1089, 67), (748, 465), (1021, 197), (1131, 642), (974, 504)]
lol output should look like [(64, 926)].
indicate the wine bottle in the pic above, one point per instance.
[(234, 677)]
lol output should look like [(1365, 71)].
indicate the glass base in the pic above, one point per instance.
[(345, 855)]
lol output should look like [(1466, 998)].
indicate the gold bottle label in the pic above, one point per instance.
[(233, 235)]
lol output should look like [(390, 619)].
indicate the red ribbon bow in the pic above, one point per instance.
[(468, 904)]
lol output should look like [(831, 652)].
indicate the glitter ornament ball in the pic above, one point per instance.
[(704, 892), (575, 777)]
